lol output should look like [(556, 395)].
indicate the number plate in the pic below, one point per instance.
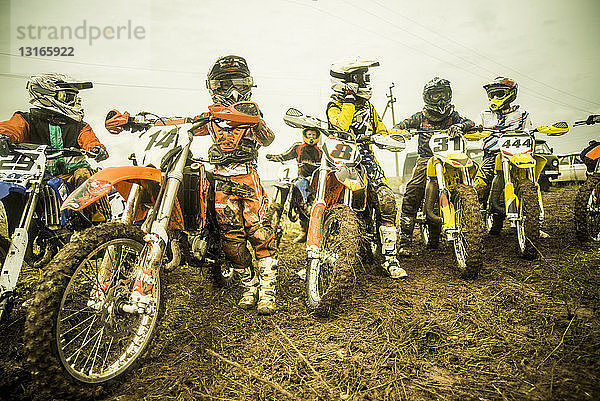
[(153, 144), (340, 152), (442, 145), (516, 144)]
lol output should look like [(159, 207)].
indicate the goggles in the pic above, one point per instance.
[(437, 96), (67, 97), (498, 93), (224, 85), (361, 78)]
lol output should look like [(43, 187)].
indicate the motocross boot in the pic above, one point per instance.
[(407, 225), (250, 283), (388, 249), (302, 237), (267, 272)]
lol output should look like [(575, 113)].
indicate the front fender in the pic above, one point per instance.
[(100, 184), (7, 187)]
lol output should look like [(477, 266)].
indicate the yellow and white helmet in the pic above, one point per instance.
[(352, 74), (501, 92), (58, 93)]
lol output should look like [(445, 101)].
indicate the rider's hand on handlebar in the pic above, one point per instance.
[(274, 158), (5, 143), (363, 139), (455, 130), (99, 153), (593, 119)]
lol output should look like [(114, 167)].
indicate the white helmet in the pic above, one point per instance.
[(352, 75), (58, 93)]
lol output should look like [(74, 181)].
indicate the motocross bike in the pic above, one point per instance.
[(450, 207), (99, 305), (587, 200), (342, 220), (288, 201), (33, 197), (515, 193)]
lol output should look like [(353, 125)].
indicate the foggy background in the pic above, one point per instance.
[(551, 48)]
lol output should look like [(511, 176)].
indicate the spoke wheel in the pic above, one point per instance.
[(78, 334), (468, 245), (329, 277), (528, 223)]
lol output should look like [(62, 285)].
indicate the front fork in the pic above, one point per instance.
[(510, 197), (313, 240), (446, 207), (11, 268)]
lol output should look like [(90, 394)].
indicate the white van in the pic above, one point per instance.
[(571, 169)]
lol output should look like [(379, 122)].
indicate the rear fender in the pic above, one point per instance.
[(100, 184)]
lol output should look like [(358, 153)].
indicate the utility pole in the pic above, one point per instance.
[(390, 105)]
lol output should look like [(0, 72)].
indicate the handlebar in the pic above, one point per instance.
[(592, 119)]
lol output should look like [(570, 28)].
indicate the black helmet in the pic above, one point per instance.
[(437, 95), (229, 80)]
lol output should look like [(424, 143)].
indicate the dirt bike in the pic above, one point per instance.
[(33, 197), (515, 193), (450, 207), (587, 200), (343, 224), (288, 201), (98, 307)]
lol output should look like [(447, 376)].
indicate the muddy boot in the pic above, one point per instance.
[(388, 249), (407, 225), (250, 283), (302, 237), (267, 271)]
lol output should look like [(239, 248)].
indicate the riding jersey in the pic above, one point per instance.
[(306, 155), (511, 120), (235, 149), (420, 121), (46, 128), (361, 121)]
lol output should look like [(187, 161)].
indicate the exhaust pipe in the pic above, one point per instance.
[(431, 196)]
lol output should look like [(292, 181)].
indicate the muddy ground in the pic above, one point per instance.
[(522, 330)]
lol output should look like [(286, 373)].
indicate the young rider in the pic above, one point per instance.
[(351, 111), (56, 120), (308, 157), (240, 199), (502, 116), (437, 114)]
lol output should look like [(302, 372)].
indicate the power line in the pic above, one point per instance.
[(532, 91), (136, 68), (483, 55)]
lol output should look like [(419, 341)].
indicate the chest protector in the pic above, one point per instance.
[(231, 145)]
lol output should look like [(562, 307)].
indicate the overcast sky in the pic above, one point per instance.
[(552, 49)]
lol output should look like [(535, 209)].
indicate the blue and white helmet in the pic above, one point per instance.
[(58, 93), (352, 74)]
